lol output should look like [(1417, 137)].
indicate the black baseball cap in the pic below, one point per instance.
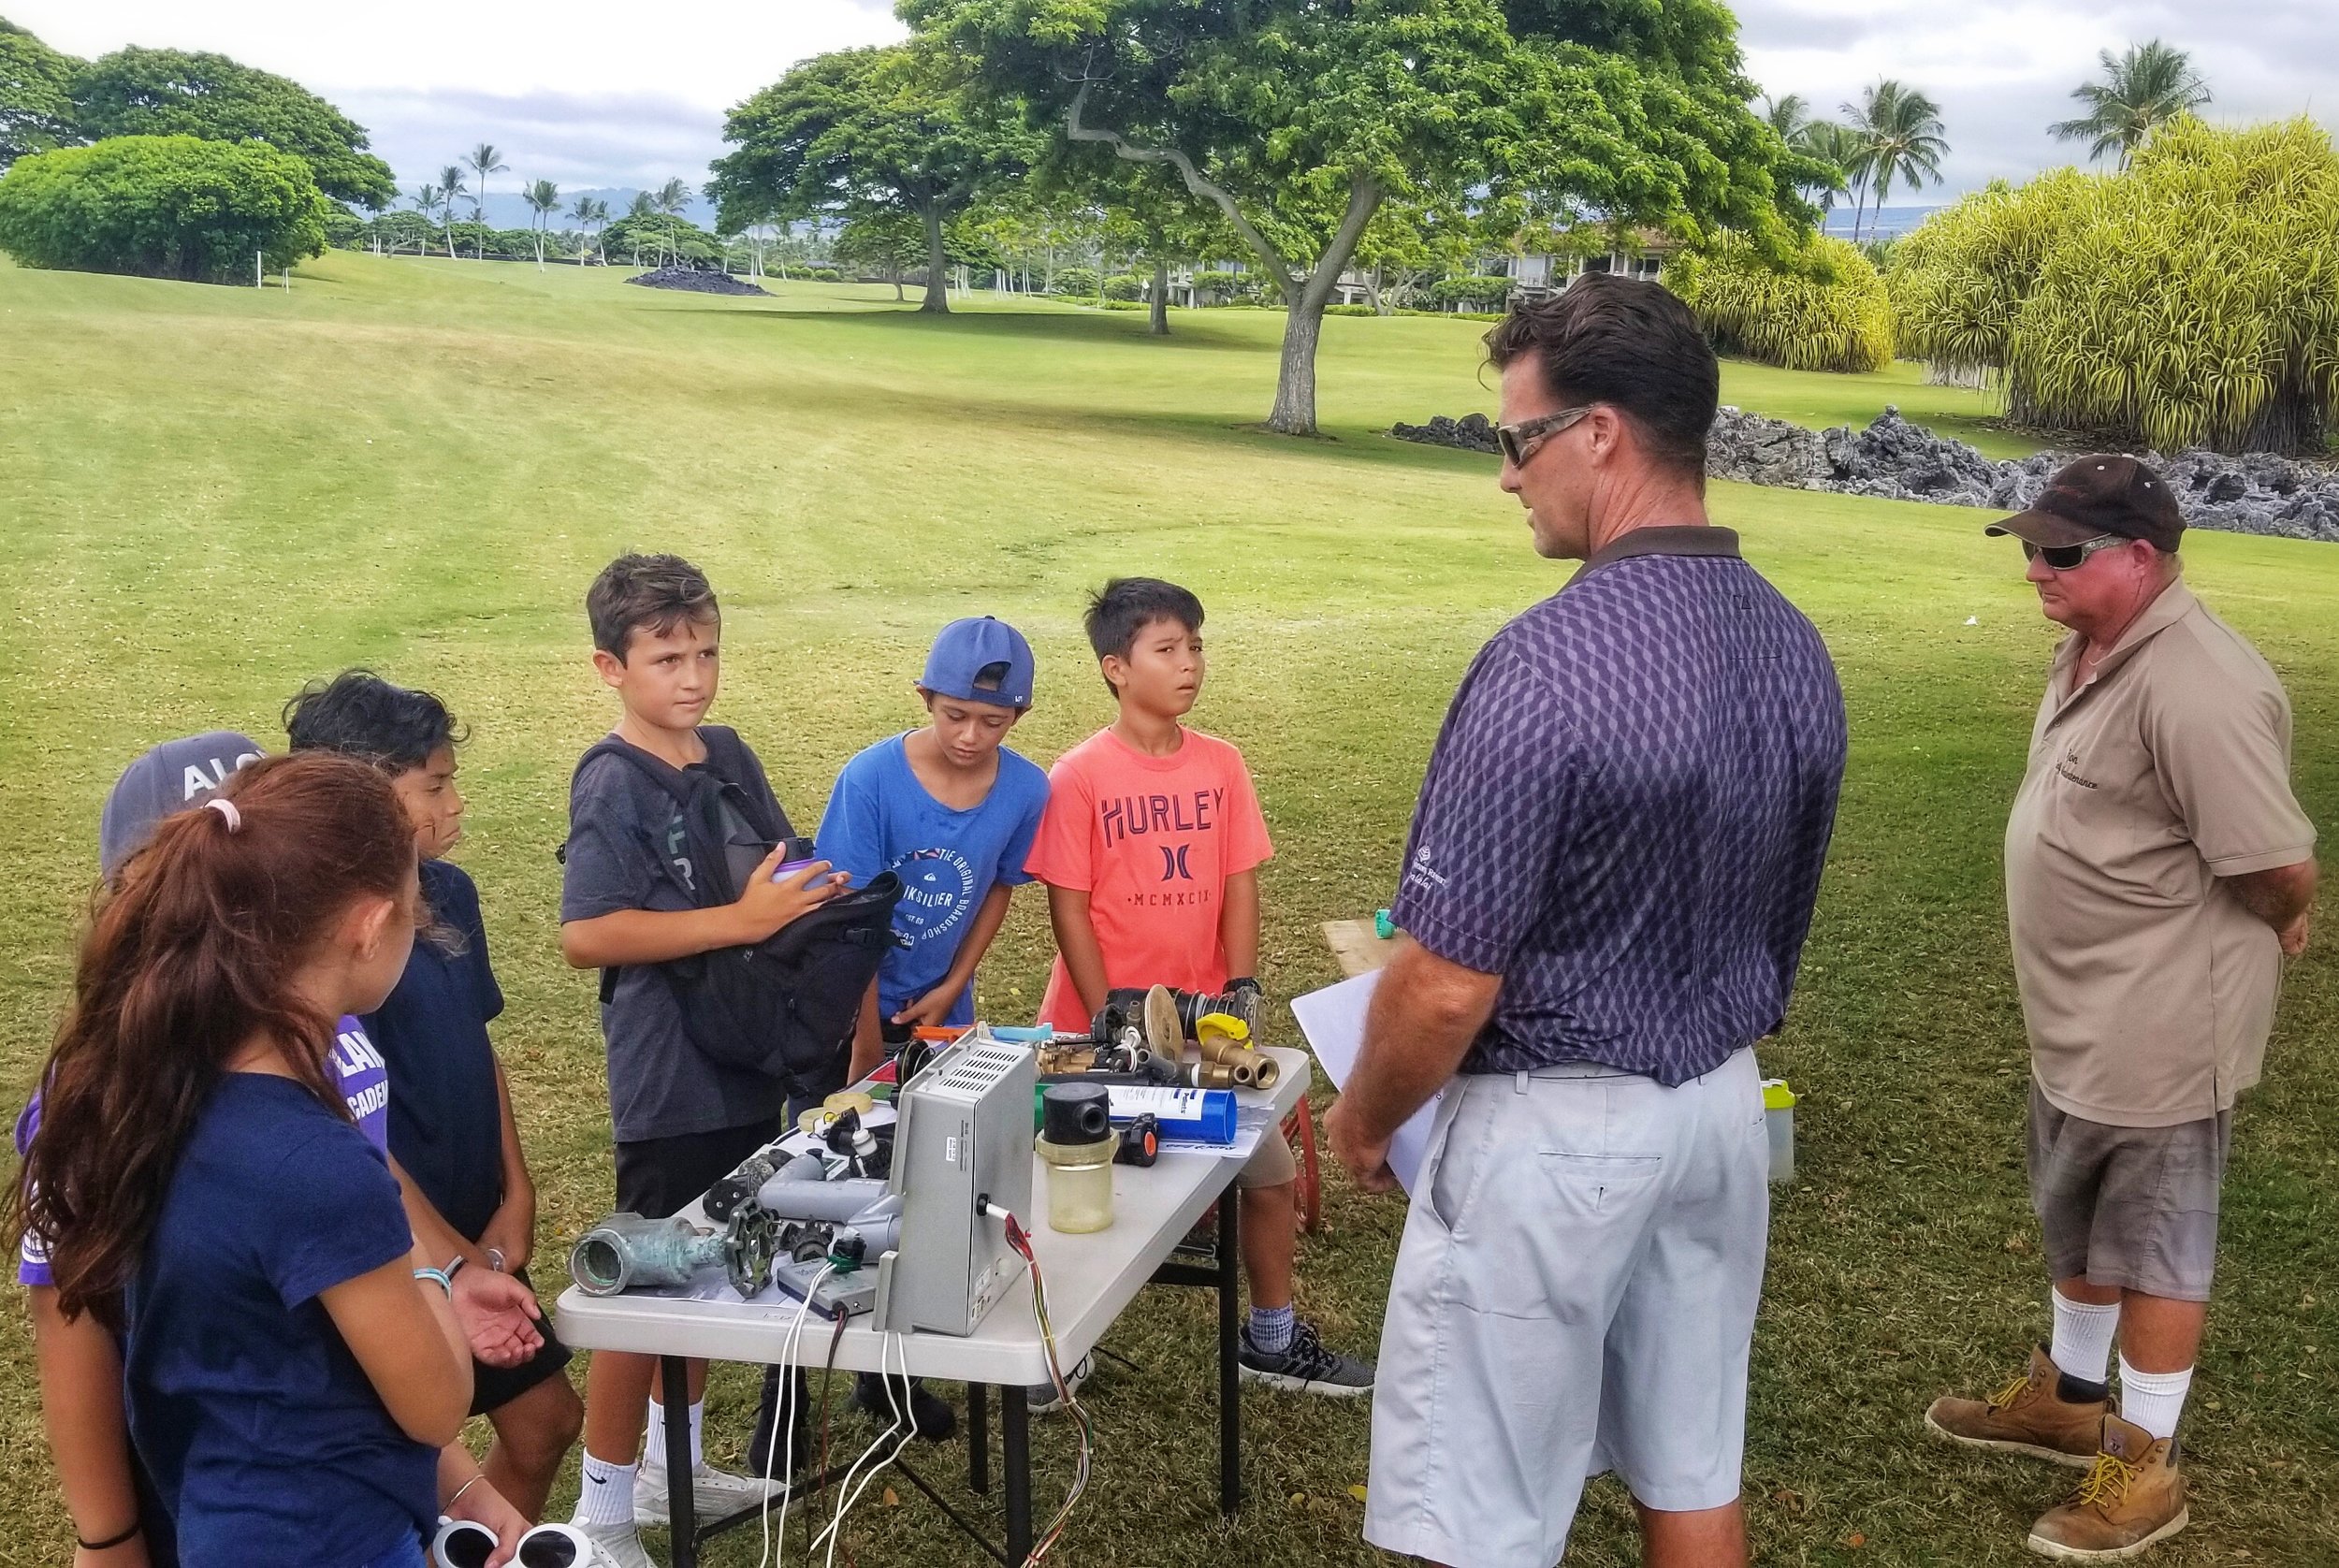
[(2095, 496)]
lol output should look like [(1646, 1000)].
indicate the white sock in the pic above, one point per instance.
[(607, 1494), (2083, 1337), (654, 1451), (2154, 1400)]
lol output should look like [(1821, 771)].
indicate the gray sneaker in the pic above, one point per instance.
[(1040, 1398), (1306, 1366)]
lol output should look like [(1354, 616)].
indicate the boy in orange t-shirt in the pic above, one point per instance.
[(1151, 846)]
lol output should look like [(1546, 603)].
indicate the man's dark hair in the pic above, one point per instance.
[(646, 593), (358, 714), (1126, 605), (1628, 343)]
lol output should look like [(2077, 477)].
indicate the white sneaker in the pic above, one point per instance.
[(615, 1545), (715, 1494)]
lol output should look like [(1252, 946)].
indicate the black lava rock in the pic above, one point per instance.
[(694, 280), (1892, 459)]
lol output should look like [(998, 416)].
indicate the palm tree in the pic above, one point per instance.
[(544, 198), (582, 216), (1789, 116), (1841, 149), (426, 201), (485, 159), (639, 207), (1900, 130), (671, 198), (450, 186), (2148, 85)]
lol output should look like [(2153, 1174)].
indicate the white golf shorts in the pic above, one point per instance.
[(1574, 1293)]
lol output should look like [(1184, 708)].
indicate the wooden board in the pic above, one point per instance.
[(1356, 945)]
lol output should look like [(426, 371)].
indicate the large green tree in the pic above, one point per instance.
[(162, 91), (177, 207), (860, 134), (36, 95), (1298, 119)]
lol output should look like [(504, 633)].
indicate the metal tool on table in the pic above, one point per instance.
[(962, 1151), (627, 1251)]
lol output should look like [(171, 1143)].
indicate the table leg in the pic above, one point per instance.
[(1229, 1373), (681, 1501), (1015, 1444), (978, 1439)]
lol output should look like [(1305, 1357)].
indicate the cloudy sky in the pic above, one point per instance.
[(591, 93)]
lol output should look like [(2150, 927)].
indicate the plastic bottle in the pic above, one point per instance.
[(1077, 1145)]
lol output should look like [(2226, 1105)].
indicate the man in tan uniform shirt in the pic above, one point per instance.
[(2157, 869)]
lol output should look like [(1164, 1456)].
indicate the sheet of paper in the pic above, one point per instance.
[(1245, 1145), (1332, 1020)]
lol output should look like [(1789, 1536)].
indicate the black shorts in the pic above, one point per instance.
[(662, 1176), (493, 1387)]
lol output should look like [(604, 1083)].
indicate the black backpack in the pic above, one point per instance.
[(784, 1006)]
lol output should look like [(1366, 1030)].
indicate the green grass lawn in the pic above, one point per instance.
[(211, 495)]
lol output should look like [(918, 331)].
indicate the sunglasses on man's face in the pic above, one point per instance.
[(2068, 558), (1523, 439)]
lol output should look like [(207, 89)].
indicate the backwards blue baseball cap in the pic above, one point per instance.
[(962, 662), (172, 777)]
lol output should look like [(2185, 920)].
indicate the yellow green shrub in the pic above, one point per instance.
[(1821, 306)]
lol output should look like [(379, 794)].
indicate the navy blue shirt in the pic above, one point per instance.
[(262, 1433), (447, 1120), (1628, 810)]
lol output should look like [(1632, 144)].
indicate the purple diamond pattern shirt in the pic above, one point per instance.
[(1627, 812)]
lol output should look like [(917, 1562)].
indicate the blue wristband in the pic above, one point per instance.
[(437, 1277)]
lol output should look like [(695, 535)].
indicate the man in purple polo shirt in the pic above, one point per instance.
[(1610, 875)]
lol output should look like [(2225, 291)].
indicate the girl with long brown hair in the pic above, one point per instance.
[(291, 1366)]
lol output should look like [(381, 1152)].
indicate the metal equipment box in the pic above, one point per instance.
[(965, 1131)]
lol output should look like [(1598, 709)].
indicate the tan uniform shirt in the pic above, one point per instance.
[(2147, 988)]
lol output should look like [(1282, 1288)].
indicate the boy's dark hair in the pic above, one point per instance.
[(646, 593), (360, 715), (1631, 344), (1126, 605)]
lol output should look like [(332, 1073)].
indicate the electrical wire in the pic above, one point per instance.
[(788, 1360), (828, 1378), (1019, 1239), (903, 1422)]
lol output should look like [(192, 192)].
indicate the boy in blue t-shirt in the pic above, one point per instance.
[(951, 811)]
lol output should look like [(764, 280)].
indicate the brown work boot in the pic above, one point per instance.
[(2133, 1497), (2045, 1413)]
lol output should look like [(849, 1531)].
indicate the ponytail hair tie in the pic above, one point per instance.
[(227, 808)]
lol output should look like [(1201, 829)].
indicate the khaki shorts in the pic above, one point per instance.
[(1271, 1164), (2134, 1208)]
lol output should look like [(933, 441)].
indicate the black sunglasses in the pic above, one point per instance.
[(1523, 439), (2068, 558)]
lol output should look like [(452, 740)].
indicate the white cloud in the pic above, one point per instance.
[(604, 92), (586, 92)]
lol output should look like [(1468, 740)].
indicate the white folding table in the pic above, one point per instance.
[(1090, 1279)]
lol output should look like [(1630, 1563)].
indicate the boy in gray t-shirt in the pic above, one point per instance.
[(627, 903)]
